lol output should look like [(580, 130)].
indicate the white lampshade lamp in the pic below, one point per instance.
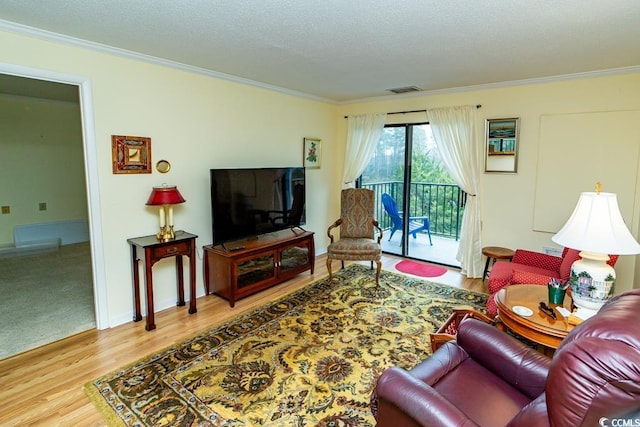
[(597, 229)]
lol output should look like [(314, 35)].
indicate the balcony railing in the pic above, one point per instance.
[(442, 203)]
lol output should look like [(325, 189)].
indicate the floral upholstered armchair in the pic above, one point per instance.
[(531, 268), (358, 227)]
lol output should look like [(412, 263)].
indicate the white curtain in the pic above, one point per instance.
[(363, 133), (455, 133)]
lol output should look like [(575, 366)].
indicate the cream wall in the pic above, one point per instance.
[(508, 199), (196, 122), (41, 161)]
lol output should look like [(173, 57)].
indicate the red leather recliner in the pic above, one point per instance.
[(488, 378), (531, 268)]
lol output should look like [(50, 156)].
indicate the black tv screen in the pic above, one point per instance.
[(250, 202)]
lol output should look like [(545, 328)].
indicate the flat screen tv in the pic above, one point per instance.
[(252, 201)]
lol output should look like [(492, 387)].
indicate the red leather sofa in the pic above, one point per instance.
[(532, 268), (488, 378)]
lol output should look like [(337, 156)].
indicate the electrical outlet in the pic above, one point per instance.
[(6, 210), (43, 206), (552, 251)]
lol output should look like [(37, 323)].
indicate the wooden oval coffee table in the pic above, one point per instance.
[(538, 327)]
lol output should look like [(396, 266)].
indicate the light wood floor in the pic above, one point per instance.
[(43, 387)]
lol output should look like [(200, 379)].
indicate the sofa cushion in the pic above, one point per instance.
[(502, 274), (535, 270), (539, 259), (462, 386), (354, 249), (527, 277)]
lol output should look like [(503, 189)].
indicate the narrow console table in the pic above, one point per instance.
[(243, 267), (149, 250)]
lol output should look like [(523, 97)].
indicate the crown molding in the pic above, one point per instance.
[(98, 47), (72, 41), (511, 83)]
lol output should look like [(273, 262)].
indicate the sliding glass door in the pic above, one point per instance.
[(421, 165), (418, 206), (385, 174)]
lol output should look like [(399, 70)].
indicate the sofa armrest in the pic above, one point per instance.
[(537, 259), (404, 400), (514, 362)]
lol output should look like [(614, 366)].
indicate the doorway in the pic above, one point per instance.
[(419, 205), (45, 260), (82, 86)]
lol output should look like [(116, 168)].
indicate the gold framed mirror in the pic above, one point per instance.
[(163, 166), (131, 154)]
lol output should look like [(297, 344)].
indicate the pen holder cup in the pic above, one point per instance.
[(556, 295)]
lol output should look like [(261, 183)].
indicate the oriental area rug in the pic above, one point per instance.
[(310, 358)]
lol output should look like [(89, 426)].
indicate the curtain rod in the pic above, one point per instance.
[(413, 111)]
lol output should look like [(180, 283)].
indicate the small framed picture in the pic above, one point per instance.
[(501, 145), (131, 154), (312, 152)]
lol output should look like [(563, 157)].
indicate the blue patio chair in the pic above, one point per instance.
[(416, 224)]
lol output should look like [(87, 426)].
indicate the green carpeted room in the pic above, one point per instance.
[(47, 297), (122, 260)]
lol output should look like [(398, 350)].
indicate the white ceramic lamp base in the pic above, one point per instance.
[(592, 281)]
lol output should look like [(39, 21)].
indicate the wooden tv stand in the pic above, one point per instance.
[(243, 267)]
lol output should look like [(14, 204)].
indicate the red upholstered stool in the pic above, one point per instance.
[(495, 253)]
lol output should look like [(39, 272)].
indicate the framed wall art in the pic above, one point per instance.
[(312, 152), (131, 154), (501, 145)]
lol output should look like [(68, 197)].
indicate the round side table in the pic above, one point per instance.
[(495, 253)]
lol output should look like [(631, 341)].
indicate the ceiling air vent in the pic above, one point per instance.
[(406, 89)]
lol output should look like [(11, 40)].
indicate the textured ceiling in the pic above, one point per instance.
[(344, 50)]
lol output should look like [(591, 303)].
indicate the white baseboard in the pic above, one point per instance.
[(127, 317)]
